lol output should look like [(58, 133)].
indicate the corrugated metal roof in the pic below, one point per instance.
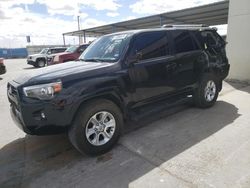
[(211, 14)]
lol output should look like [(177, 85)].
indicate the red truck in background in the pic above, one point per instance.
[(71, 54)]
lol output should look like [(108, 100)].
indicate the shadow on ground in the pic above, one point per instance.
[(27, 68), (50, 161), (239, 85)]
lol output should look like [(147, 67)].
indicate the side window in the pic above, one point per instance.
[(60, 50), (212, 39), (208, 38), (81, 49), (49, 52), (183, 41), (53, 51), (151, 45)]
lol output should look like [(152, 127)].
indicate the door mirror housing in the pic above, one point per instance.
[(138, 56), (135, 58)]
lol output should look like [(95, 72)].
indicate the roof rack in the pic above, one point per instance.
[(185, 26)]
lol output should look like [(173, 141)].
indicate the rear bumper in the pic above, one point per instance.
[(224, 71)]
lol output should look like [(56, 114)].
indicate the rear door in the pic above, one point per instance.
[(186, 52)]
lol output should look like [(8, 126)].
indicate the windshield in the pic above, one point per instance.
[(106, 48), (44, 51), (71, 49)]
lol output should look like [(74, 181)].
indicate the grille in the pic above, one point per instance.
[(12, 90)]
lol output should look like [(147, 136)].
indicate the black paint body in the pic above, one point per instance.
[(130, 83)]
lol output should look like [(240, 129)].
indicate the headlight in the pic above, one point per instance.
[(43, 91)]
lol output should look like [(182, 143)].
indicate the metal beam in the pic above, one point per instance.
[(84, 37), (63, 39)]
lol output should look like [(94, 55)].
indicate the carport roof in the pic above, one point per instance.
[(210, 14)]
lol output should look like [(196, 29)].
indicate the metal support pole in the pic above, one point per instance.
[(78, 21), (63, 40), (161, 20), (84, 37), (113, 28)]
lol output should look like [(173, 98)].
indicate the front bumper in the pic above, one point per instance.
[(29, 116), (31, 62)]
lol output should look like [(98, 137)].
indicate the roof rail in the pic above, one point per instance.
[(184, 26)]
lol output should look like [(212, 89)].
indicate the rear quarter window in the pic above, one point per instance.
[(183, 41)]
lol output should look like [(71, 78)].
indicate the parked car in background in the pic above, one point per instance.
[(40, 59), (71, 54), (2, 66), (121, 76)]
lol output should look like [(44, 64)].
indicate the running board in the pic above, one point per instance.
[(158, 107)]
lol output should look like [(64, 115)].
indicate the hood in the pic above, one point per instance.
[(61, 71), (63, 53), (37, 55), (59, 54)]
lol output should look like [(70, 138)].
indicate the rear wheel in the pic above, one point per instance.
[(97, 127), (207, 92)]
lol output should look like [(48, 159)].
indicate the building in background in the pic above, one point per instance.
[(238, 49)]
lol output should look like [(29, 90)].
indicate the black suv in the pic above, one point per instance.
[(120, 76)]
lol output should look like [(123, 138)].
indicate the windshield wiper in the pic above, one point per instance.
[(92, 59)]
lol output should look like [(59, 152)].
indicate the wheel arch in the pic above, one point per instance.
[(41, 58), (111, 96), (216, 72)]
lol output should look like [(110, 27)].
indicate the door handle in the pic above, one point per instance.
[(171, 66)]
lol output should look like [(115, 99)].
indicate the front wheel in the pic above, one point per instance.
[(207, 92), (97, 127), (41, 63)]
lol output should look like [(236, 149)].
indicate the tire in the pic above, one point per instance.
[(207, 92), (83, 133), (41, 63)]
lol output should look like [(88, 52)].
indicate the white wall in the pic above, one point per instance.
[(238, 37)]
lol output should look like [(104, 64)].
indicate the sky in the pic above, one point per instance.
[(46, 20)]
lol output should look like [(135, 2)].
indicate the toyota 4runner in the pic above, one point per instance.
[(120, 76)]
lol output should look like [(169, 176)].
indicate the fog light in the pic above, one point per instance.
[(43, 115)]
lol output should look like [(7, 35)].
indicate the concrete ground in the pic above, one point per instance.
[(182, 147)]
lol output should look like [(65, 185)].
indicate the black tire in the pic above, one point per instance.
[(200, 100), (40, 63), (77, 132)]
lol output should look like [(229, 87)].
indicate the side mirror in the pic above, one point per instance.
[(134, 58), (138, 56)]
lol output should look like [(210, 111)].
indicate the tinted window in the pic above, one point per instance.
[(53, 51), (60, 50), (211, 38), (151, 45), (183, 41), (82, 48)]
